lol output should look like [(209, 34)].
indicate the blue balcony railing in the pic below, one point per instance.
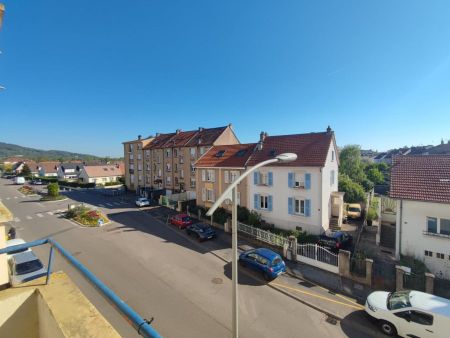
[(141, 325)]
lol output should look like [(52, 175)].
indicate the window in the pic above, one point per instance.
[(192, 182), (147, 153), (168, 166), (168, 152), (299, 206), (220, 153), (139, 156), (238, 198), (299, 181), (159, 173), (241, 153), (175, 153), (193, 151), (158, 159), (168, 180), (440, 255), (175, 167), (148, 166), (263, 202), (428, 253), (445, 226), (139, 166), (132, 178), (181, 159), (210, 195), (421, 318), (148, 179), (202, 150), (208, 175), (130, 147), (234, 175), (192, 168), (131, 157), (332, 156), (140, 178), (104, 179), (332, 177), (432, 224)]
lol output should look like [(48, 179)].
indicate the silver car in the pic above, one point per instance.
[(24, 267)]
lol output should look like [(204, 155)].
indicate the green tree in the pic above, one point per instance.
[(375, 175), (350, 163), (53, 189), (354, 192), (25, 170)]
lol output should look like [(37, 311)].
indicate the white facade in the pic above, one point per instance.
[(98, 180), (414, 238), (313, 192)]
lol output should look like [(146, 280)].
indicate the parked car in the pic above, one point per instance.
[(13, 242), (354, 211), (410, 313), (269, 263), (201, 230), (181, 220), (25, 266), (336, 240), (142, 202), (19, 180), (36, 182)]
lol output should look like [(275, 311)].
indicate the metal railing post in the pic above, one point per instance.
[(49, 266)]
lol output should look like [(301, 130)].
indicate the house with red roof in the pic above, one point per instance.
[(421, 187), (218, 168), (301, 195)]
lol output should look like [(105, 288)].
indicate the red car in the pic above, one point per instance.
[(181, 221)]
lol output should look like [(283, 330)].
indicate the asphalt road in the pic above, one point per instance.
[(164, 275)]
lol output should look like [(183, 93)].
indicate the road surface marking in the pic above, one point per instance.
[(15, 197), (39, 215), (101, 205), (29, 217), (116, 203), (16, 219), (109, 204), (354, 305), (49, 212)]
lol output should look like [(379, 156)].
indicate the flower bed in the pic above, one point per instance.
[(27, 190), (87, 217), (53, 198)]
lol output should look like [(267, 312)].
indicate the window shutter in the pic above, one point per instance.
[(213, 175), (213, 197), (203, 175), (270, 178), (290, 205), (307, 208), (290, 180), (227, 178), (269, 202), (203, 194), (238, 198), (307, 181), (255, 178), (256, 201)]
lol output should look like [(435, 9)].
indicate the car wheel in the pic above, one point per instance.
[(387, 328)]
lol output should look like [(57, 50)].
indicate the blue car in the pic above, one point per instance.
[(269, 263)]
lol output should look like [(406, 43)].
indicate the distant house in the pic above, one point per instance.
[(15, 159), (101, 174), (47, 169), (18, 167), (69, 171), (421, 186), (441, 149)]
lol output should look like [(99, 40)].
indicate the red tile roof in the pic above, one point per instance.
[(180, 139), (311, 149), (233, 156), (206, 137), (104, 170), (49, 167), (159, 141), (421, 178)]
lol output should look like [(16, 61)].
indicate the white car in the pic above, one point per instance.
[(410, 313), (24, 267), (13, 242), (142, 202)]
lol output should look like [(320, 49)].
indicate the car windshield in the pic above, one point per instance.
[(203, 227), (186, 219), (398, 300), (354, 209), (27, 267)]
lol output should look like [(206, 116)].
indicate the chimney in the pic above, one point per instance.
[(200, 129), (329, 130), (178, 131), (230, 125), (157, 134), (262, 136), (139, 137)]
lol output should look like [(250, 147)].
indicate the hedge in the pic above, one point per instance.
[(76, 184)]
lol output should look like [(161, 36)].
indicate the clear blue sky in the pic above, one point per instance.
[(86, 75)]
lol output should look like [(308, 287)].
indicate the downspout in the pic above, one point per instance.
[(400, 230)]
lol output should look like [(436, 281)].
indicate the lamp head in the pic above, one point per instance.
[(286, 157)]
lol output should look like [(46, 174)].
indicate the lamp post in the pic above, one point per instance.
[(231, 194)]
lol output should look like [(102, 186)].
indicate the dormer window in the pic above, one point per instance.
[(220, 153)]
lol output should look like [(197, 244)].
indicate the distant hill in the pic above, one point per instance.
[(7, 150)]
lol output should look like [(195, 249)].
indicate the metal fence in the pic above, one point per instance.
[(318, 253), (262, 235), (442, 287)]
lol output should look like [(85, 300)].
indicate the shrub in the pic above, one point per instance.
[(371, 214), (112, 183), (53, 189)]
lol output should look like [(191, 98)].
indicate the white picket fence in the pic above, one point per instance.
[(319, 256), (262, 235)]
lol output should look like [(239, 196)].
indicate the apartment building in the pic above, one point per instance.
[(300, 195), (134, 162), (217, 169), (168, 159)]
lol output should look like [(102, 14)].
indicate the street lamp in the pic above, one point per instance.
[(231, 194)]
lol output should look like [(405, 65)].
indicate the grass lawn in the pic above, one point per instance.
[(53, 198)]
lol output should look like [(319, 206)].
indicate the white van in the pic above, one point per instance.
[(410, 313), (19, 180)]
